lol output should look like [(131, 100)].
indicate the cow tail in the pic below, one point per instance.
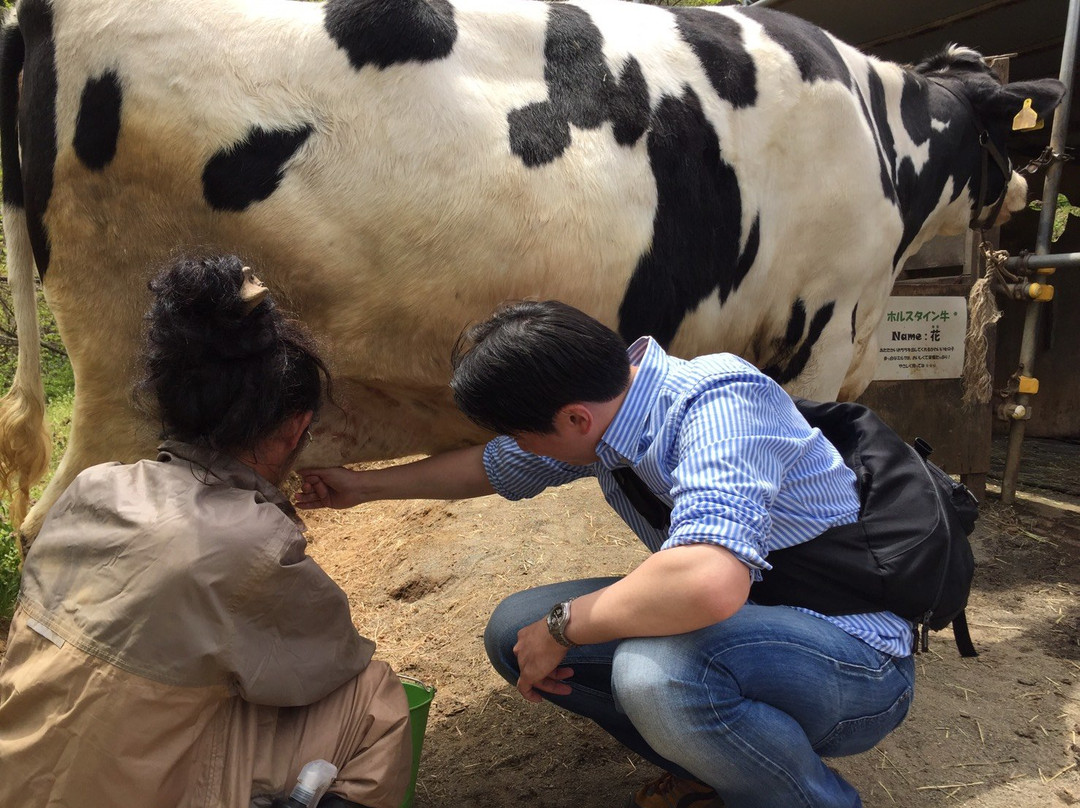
[(25, 442)]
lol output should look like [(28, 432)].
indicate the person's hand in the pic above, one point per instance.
[(538, 658), (330, 488)]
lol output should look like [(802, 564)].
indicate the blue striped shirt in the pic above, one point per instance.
[(724, 445)]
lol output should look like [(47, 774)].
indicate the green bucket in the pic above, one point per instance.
[(420, 696)]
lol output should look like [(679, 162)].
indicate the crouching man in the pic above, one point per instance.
[(712, 466)]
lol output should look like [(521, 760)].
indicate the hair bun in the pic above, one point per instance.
[(212, 309), (224, 366), (251, 335)]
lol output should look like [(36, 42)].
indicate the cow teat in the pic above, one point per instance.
[(252, 291)]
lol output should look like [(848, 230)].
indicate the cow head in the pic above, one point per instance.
[(981, 108)]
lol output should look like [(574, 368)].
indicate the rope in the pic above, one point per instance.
[(983, 312)]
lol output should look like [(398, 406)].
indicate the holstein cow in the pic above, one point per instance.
[(723, 179)]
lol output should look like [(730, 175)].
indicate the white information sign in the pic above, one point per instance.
[(922, 338)]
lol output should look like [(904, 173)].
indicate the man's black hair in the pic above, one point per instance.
[(516, 370)]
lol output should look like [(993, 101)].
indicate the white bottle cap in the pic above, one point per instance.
[(313, 781)]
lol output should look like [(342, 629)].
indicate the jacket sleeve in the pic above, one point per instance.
[(294, 641)]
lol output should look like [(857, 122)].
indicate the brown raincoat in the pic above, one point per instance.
[(174, 646)]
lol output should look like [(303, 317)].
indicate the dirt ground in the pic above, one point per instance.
[(422, 577), (998, 731)]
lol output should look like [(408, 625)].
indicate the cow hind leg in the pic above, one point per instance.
[(24, 435)]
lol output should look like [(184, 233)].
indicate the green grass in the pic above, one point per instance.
[(9, 568)]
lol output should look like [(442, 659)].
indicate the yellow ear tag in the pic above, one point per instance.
[(1026, 119)]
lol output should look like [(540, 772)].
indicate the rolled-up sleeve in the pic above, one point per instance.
[(516, 474), (730, 463)]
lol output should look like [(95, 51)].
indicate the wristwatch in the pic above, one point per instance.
[(557, 620)]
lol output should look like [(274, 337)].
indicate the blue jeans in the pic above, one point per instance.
[(749, 705)]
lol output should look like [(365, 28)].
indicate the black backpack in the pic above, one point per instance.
[(908, 553)]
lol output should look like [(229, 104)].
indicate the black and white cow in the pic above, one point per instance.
[(723, 179)]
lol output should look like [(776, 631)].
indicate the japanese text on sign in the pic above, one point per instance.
[(922, 338)]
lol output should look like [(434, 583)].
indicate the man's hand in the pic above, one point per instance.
[(331, 488), (457, 474), (538, 658)]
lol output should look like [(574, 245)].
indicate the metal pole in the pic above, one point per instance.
[(1042, 247), (1046, 261)]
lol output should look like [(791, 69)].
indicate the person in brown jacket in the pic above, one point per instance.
[(173, 645)]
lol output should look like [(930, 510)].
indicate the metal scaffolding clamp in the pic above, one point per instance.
[(1028, 385)]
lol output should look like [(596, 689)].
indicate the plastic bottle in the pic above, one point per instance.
[(312, 783)]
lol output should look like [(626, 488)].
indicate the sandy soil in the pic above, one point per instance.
[(422, 577)]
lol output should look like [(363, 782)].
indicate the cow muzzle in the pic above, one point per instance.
[(1016, 198)]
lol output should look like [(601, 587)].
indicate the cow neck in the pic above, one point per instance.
[(989, 150)]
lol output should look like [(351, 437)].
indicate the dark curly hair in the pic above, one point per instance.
[(220, 375)]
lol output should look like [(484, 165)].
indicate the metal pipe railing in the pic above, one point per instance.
[(1031, 261), (1029, 339)]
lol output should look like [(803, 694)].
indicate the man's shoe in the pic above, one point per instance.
[(669, 791)]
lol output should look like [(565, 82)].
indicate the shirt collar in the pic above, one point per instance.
[(622, 439), (230, 471)]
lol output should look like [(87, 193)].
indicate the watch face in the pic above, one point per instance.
[(557, 612)]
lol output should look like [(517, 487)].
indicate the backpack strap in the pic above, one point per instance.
[(962, 636), (921, 640), (654, 510)]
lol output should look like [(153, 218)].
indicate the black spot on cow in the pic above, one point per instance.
[(581, 92), (914, 208), (251, 170), (37, 122), (813, 50), (97, 126), (854, 314), (915, 110), (796, 324), (885, 168), (628, 104), (12, 56), (716, 40), (697, 227), (880, 115), (793, 353), (948, 158), (390, 32), (746, 260)]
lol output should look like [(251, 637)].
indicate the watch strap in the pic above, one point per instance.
[(557, 620)]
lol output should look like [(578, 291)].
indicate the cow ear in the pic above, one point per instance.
[(1045, 95)]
